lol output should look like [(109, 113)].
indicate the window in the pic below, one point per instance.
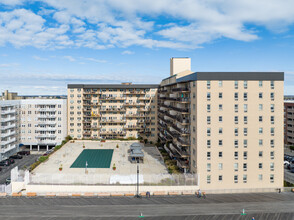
[(236, 108), (236, 119), (272, 178), (244, 178), (260, 166), (260, 83), (208, 155), (220, 142), (208, 84), (260, 95), (272, 119), (245, 84), (208, 108), (245, 154), (236, 96), (220, 130), (272, 131), (208, 179), (260, 107), (245, 131), (260, 153), (235, 166), (272, 166), (194, 83), (208, 142), (260, 177), (220, 166), (236, 84), (220, 95), (245, 143), (236, 143), (245, 96), (208, 96), (220, 154), (272, 107), (208, 167), (220, 178), (260, 142), (194, 163), (220, 118), (220, 83), (245, 107), (260, 130), (194, 95), (244, 166), (272, 155), (272, 96), (194, 141), (260, 118), (220, 107), (208, 131), (272, 143), (235, 178), (208, 120), (272, 84), (245, 120), (236, 131), (236, 155)]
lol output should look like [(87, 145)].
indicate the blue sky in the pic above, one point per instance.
[(44, 45)]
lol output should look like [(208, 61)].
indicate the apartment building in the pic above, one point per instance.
[(43, 122), (9, 136), (289, 122), (225, 126), (111, 111)]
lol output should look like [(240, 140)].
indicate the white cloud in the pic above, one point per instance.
[(94, 60), (69, 58), (40, 58), (128, 52), (102, 24), (7, 65)]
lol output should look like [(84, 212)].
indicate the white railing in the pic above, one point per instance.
[(7, 134), (46, 110), (5, 112), (5, 127), (10, 147), (46, 116), (8, 141), (8, 119)]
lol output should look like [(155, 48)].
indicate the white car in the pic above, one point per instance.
[(286, 163)]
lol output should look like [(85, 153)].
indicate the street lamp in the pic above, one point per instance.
[(138, 195)]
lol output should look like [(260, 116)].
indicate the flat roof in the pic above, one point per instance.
[(113, 86)]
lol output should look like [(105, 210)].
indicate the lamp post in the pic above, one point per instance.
[(137, 195), (86, 171)]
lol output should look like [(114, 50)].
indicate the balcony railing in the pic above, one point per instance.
[(6, 119), (8, 141), (182, 164), (7, 134), (5, 112), (5, 127), (184, 89), (182, 110)]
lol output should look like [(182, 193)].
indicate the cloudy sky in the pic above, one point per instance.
[(46, 44)]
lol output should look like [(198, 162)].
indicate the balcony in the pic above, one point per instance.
[(8, 148), (132, 127), (7, 119), (182, 164), (183, 89), (5, 127), (112, 121), (183, 142), (181, 110), (112, 109), (144, 98), (7, 134), (181, 151), (172, 153), (112, 98), (86, 133), (87, 98), (6, 112), (8, 141), (46, 116), (182, 131), (113, 133), (134, 104), (46, 123), (91, 92), (46, 136), (46, 142), (46, 110), (46, 129), (183, 100)]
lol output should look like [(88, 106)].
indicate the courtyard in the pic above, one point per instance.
[(93, 162)]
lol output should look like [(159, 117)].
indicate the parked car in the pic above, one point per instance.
[(286, 163), (292, 169), (4, 163), (11, 160), (16, 156), (24, 153), (0, 169)]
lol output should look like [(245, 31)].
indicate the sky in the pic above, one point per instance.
[(47, 44)]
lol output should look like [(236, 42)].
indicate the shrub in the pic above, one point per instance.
[(43, 158)]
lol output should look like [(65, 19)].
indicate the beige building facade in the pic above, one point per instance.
[(225, 126), (112, 111)]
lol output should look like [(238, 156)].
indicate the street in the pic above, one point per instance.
[(270, 206), (25, 161)]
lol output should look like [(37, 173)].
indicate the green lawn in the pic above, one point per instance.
[(94, 158)]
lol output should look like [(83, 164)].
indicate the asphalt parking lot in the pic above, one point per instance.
[(25, 161), (268, 206)]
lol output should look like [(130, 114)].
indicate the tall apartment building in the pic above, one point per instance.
[(225, 126), (9, 124), (112, 111), (43, 122), (289, 122)]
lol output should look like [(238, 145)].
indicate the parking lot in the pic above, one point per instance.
[(21, 163)]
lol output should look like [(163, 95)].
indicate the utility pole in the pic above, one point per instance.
[(137, 195)]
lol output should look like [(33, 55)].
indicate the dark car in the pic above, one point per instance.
[(4, 163), (16, 156), (0, 169), (11, 160), (24, 153)]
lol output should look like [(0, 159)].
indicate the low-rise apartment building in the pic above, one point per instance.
[(9, 126), (225, 126), (112, 111), (43, 122)]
